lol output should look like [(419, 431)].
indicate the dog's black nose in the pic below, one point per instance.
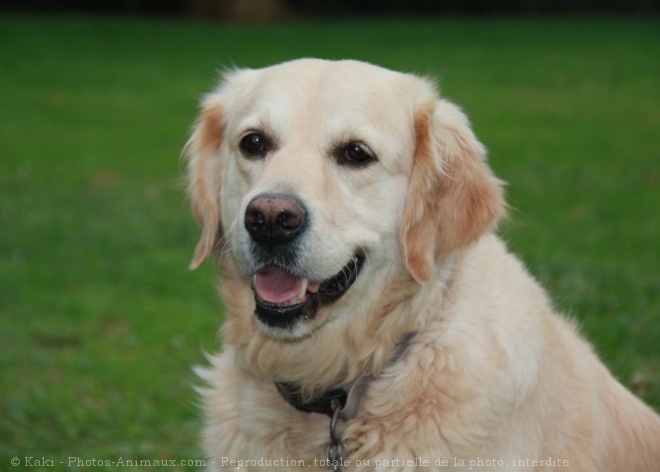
[(274, 218)]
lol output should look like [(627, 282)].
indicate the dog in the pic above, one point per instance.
[(373, 319)]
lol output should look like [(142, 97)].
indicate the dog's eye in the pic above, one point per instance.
[(254, 145), (356, 154)]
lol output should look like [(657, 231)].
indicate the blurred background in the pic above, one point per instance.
[(277, 10), (100, 320)]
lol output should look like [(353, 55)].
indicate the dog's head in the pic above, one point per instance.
[(320, 179)]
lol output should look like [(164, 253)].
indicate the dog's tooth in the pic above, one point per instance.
[(303, 289)]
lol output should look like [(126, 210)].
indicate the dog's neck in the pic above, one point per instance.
[(345, 349), (346, 398)]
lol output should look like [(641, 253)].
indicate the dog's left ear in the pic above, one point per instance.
[(453, 198), (204, 176)]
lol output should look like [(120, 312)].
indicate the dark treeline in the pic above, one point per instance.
[(274, 9)]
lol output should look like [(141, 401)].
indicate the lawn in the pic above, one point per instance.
[(100, 320)]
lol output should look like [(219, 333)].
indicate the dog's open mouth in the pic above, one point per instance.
[(282, 298)]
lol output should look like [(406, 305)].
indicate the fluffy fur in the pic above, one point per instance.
[(493, 374)]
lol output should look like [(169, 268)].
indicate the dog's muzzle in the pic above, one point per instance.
[(275, 224)]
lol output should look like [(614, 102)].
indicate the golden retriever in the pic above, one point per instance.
[(373, 319)]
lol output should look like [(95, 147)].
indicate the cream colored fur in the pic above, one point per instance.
[(494, 379)]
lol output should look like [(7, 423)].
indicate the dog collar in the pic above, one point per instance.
[(323, 405), (338, 403), (345, 398)]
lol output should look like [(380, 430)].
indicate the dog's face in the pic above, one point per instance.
[(320, 179)]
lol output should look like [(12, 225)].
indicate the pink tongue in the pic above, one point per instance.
[(277, 286)]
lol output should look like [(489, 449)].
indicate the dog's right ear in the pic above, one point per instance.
[(204, 176)]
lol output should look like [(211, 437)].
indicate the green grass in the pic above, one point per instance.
[(100, 321)]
